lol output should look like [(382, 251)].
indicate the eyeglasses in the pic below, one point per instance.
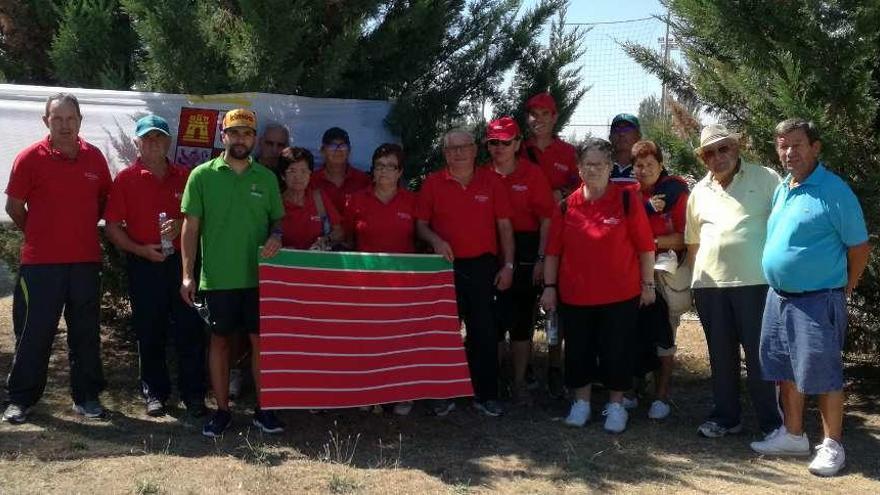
[(708, 154), (457, 148), (336, 146), (385, 166), (498, 142)]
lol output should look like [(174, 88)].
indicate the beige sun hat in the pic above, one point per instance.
[(713, 133)]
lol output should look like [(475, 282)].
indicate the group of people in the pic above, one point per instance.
[(601, 235)]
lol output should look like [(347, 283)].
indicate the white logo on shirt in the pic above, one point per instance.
[(404, 215), (520, 187), (611, 221), (561, 166), (91, 175), (481, 198), (315, 218)]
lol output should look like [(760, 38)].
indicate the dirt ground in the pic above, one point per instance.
[(526, 451)]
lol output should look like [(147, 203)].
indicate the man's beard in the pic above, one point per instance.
[(239, 151)]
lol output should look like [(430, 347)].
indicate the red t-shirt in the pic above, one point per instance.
[(380, 227), (354, 181), (302, 225), (672, 218), (599, 246), (137, 197), (465, 217), (63, 198), (530, 195), (558, 161)]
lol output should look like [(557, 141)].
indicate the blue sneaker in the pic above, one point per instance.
[(90, 409), (267, 421), (217, 424)]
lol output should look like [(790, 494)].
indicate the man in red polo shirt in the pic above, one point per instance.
[(338, 178), (557, 159), (56, 194), (462, 212), (143, 219)]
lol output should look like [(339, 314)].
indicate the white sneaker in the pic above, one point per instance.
[(403, 408), (235, 379), (579, 413), (658, 410), (781, 442), (830, 458), (630, 403), (615, 417)]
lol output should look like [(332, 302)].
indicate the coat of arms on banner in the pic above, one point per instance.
[(198, 136)]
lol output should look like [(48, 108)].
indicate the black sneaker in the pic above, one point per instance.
[(267, 421), (155, 408), (218, 424), (531, 379), (16, 414), (442, 407), (555, 383), (196, 408), (488, 408)]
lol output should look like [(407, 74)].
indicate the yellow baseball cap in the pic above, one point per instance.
[(240, 117)]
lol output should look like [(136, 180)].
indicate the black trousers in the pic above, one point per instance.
[(42, 293), (599, 343), (474, 290), (731, 317), (158, 312), (515, 307)]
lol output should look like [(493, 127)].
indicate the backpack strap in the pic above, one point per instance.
[(322, 212)]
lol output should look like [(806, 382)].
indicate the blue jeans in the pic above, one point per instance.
[(802, 339)]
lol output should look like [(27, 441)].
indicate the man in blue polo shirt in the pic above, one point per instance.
[(816, 250)]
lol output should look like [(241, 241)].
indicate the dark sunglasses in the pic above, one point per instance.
[(707, 154), (498, 142)]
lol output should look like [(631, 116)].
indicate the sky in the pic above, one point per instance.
[(617, 84)]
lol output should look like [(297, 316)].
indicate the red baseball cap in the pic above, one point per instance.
[(542, 100), (504, 129)]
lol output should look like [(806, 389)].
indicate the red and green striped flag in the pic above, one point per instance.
[(356, 329)]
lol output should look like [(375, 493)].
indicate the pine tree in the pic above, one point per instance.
[(26, 29), (548, 68), (436, 58), (94, 45), (757, 63)]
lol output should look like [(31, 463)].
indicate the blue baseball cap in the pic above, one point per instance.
[(149, 123), (625, 119)]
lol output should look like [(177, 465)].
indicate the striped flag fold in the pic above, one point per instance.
[(355, 329)]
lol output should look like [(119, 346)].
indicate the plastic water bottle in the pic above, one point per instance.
[(167, 245), (551, 327)]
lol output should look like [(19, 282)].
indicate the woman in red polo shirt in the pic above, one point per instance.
[(600, 259), (533, 205), (665, 201), (310, 219), (381, 218)]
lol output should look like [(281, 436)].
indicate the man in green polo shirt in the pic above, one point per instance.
[(233, 206)]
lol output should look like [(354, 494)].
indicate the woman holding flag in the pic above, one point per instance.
[(310, 219), (381, 218)]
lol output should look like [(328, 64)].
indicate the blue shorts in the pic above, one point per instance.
[(802, 338)]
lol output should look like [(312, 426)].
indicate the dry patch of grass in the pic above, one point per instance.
[(350, 452)]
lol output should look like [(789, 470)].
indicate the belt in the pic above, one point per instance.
[(806, 293)]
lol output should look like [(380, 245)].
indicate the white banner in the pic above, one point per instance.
[(109, 117)]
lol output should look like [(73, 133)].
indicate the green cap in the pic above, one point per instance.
[(149, 123)]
